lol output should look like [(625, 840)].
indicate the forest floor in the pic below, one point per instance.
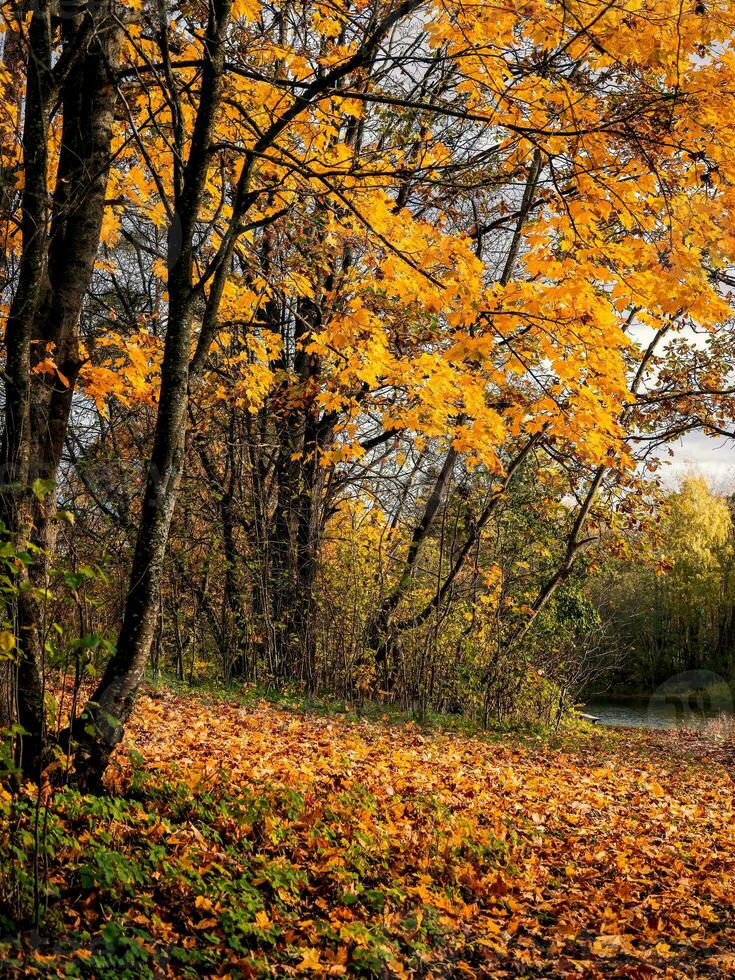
[(255, 841)]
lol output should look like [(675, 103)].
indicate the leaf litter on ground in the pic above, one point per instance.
[(248, 842)]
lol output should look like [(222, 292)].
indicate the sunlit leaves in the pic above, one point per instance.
[(631, 110)]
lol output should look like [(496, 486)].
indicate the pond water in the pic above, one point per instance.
[(673, 713)]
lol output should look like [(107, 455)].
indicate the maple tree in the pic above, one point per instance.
[(60, 168)]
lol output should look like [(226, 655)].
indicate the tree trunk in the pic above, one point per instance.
[(102, 723), (58, 254), (302, 434)]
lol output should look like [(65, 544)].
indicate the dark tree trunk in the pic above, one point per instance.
[(302, 434), (58, 254), (102, 723)]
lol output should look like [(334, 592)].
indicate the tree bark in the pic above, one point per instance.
[(58, 254), (102, 723)]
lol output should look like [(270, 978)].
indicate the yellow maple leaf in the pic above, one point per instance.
[(311, 961)]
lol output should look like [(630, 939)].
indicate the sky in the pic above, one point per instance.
[(713, 458)]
